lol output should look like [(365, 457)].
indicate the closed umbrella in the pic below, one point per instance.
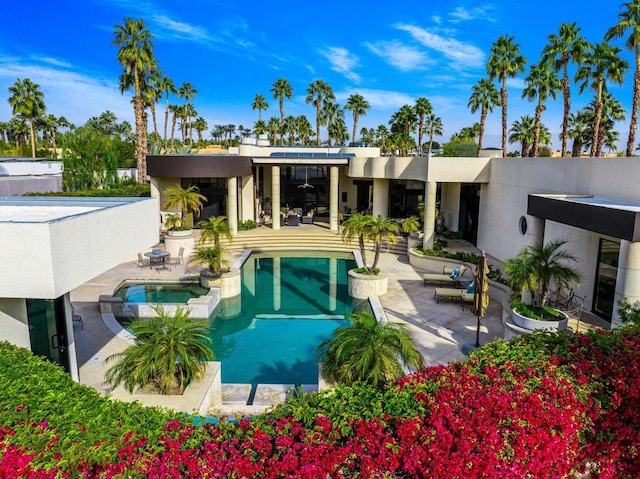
[(480, 292)]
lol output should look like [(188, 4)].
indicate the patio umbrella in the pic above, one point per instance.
[(480, 292)]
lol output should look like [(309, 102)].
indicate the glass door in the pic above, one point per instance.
[(47, 330), (606, 274)]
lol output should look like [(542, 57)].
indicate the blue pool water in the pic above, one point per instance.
[(177, 292), (289, 305)]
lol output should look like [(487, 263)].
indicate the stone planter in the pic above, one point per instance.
[(172, 244), (229, 282), (363, 286), (532, 324), (180, 233)]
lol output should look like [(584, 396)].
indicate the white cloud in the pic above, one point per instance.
[(67, 93), (463, 54), (182, 30), (382, 99), (403, 57), (515, 83), (461, 14), (342, 61), (52, 61)]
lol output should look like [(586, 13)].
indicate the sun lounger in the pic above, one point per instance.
[(459, 295), (443, 278)]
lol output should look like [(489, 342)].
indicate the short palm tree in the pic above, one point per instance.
[(189, 200), (355, 227), (369, 352), (484, 97), (27, 101), (169, 353), (378, 228), (358, 106), (209, 256), (213, 229), (541, 265)]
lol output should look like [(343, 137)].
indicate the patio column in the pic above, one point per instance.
[(380, 197), (333, 198), (275, 197), (232, 205), (628, 277), (429, 214)]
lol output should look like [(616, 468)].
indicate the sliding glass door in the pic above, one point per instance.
[(606, 274), (48, 331)]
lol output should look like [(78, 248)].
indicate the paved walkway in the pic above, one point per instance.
[(441, 331)]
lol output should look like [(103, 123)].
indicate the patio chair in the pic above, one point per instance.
[(444, 278), (178, 260), (450, 293), (142, 262), (293, 220)]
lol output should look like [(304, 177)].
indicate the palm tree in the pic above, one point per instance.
[(505, 62), (209, 256), (166, 85), (579, 131), (317, 93), (189, 200), (601, 64), (27, 101), (152, 94), (548, 264), (168, 354), (259, 103), (433, 125), (541, 83), (567, 46), (612, 112), (382, 133), (369, 352), (377, 229), (358, 106), (331, 113), (303, 129), (522, 131), (136, 56), (484, 97), (355, 227), (422, 109), (273, 126), (187, 92), (629, 22), (259, 127), (338, 130), (200, 124), (212, 229), (281, 89), (176, 111)]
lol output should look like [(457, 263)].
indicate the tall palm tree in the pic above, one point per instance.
[(273, 126), (422, 109), (170, 351), (259, 103), (629, 22), (188, 92), (27, 101), (136, 56), (541, 83), (289, 127), (612, 112), (281, 89), (152, 95), (318, 92), (579, 130), (369, 352), (331, 112), (166, 86), (602, 63), (303, 129), (505, 62), (433, 124), (522, 131), (567, 46), (176, 111), (358, 106), (382, 133), (484, 96)]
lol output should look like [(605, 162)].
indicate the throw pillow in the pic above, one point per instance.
[(454, 274), (470, 287)]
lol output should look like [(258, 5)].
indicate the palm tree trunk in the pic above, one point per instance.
[(33, 137), (595, 151), (633, 123), (376, 257), (566, 94), (420, 127), (362, 250), (141, 139), (536, 129), (577, 146), (173, 128), (355, 126), (153, 117), (503, 95), (483, 119)]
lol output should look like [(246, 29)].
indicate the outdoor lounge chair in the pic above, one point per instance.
[(293, 220), (444, 278), (459, 295)]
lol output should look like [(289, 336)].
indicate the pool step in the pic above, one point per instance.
[(264, 394)]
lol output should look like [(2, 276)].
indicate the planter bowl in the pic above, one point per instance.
[(363, 286), (180, 233), (529, 323)]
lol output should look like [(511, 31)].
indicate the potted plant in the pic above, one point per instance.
[(367, 280), (532, 273), (187, 200), (175, 226), (412, 225)]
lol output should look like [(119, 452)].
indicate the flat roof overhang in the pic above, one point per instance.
[(198, 166), (278, 161), (620, 219)]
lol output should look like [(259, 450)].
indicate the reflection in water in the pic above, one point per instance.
[(289, 305)]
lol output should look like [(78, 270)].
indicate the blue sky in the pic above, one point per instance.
[(389, 52)]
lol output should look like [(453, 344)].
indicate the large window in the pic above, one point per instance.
[(605, 284), (215, 190)]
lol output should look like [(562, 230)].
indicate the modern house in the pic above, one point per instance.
[(51, 245), (499, 204)]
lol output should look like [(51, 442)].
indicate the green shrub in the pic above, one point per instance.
[(124, 190), (247, 225)]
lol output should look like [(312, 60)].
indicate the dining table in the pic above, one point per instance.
[(158, 257)]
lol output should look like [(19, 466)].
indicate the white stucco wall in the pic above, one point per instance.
[(47, 259), (13, 322)]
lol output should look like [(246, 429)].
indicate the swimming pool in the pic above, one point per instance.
[(290, 303), (160, 292)]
